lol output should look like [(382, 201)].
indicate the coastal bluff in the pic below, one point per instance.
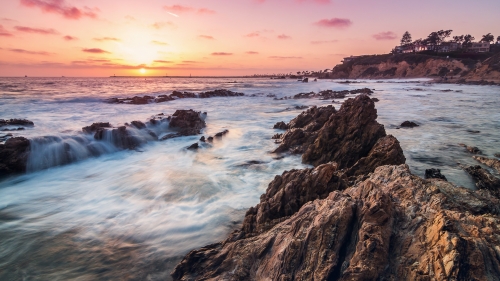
[(460, 70), (358, 214)]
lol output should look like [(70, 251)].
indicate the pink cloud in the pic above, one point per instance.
[(22, 51), (95, 51), (61, 8), (36, 30), (8, 20), (284, 37), (69, 38), (208, 37), (159, 43), (389, 35), (179, 9), (334, 22), (160, 25), (252, 53), (324, 42), (101, 39), (222, 54), (253, 34), (4, 32), (283, 58)]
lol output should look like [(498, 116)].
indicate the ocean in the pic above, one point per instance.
[(132, 214)]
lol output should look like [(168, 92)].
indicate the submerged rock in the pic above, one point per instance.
[(409, 124), (434, 174), (14, 156), (220, 134), (194, 146)]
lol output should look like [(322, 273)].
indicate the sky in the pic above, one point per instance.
[(217, 37)]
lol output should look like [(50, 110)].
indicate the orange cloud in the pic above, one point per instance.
[(22, 51), (4, 32), (61, 8), (251, 53), (208, 37), (163, 61), (284, 37), (69, 38), (95, 51), (222, 54), (107, 39), (159, 25), (36, 30), (159, 43), (334, 23), (389, 35)]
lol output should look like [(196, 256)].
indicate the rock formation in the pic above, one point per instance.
[(493, 163), (16, 122), (358, 215), (175, 95), (14, 155), (409, 124)]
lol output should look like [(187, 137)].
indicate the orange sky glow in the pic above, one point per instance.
[(217, 37)]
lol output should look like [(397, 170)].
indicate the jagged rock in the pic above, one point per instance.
[(194, 146), (329, 94), (493, 163), (375, 100), (287, 193), (303, 129), (276, 136), (16, 122), (347, 136), (280, 125), (202, 139), (220, 134), (409, 124), (387, 151), (188, 122), (138, 124), (391, 226), (14, 155), (95, 126), (434, 174), (484, 180)]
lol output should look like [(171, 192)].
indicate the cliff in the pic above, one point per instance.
[(420, 66), (356, 216)]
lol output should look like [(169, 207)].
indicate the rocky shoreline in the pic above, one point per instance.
[(359, 214)]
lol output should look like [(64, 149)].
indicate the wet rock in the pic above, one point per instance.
[(170, 136), (210, 139), (497, 155), (163, 98), (174, 96), (14, 156), (220, 134), (122, 138), (95, 126), (375, 100), (182, 95), (391, 226), (280, 125), (329, 94), (194, 146), (301, 107), (483, 179), (202, 139), (219, 93), (347, 136), (473, 149), (16, 122), (138, 124), (188, 122), (434, 174), (250, 163), (14, 129), (5, 137), (276, 136), (409, 124), (493, 163)]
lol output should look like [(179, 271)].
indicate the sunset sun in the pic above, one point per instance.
[(142, 71)]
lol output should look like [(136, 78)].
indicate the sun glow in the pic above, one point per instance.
[(142, 71)]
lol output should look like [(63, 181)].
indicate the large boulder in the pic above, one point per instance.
[(391, 226), (14, 156), (188, 122)]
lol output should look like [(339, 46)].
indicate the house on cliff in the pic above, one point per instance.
[(480, 47)]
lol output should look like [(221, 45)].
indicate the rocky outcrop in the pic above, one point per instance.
[(188, 122), (175, 95), (493, 163), (280, 125), (487, 73), (14, 155), (391, 226), (484, 179), (329, 94), (16, 122)]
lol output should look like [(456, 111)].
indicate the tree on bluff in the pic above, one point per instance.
[(467, 41), (436, 38), (488, 38), (406, 40)]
